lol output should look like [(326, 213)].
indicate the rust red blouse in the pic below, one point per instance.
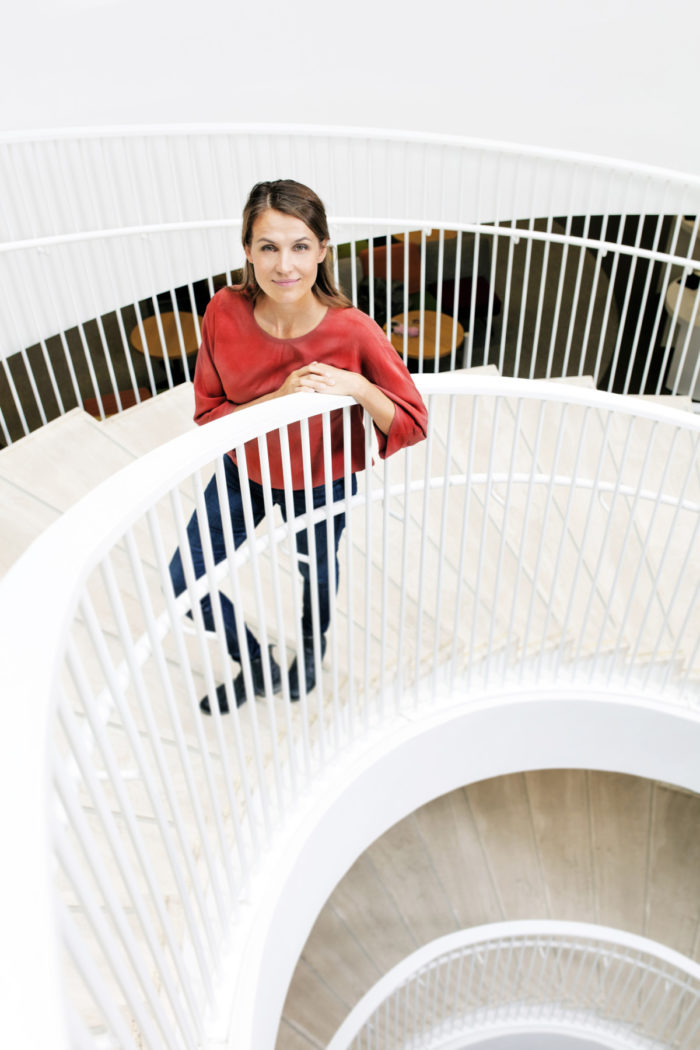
[(238, 362)]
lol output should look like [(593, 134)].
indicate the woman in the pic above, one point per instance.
[(286, 328)]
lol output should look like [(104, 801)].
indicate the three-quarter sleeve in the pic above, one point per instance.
[(384, 367), (210, 400)]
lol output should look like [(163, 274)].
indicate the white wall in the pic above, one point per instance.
[(616, 77)]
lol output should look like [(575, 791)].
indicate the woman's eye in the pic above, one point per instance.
[(301, 247)]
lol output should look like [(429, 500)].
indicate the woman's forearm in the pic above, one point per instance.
[(327, 379), (381, 408)]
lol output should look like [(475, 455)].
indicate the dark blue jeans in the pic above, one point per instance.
[(235, 501)]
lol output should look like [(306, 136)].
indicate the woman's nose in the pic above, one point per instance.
[(284, 260)]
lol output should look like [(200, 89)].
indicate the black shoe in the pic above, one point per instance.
[(256, 673), (309, 669), (221, 701)]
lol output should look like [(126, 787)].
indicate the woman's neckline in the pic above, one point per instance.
[(286, 338)]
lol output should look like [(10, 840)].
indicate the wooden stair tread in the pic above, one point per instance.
[(153, 422), (64, 460)]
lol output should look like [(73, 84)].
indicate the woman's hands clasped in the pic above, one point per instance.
[(322, 378)]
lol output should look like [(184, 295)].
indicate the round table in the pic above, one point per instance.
[(171, 336), (432, 347)]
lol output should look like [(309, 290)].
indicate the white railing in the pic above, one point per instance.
[(566, 265), (83, 179), (543, 534), (571, 978)]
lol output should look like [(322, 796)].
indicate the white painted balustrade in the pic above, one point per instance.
[(542, 541), (554, 264), (544, 535), (571, 979)]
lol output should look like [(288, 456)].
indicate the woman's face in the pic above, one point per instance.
[(285, 255)]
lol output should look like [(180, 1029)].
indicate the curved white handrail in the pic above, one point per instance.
[(341, 132), (580, 978), (365, 223), (63, 556), (98, 220)]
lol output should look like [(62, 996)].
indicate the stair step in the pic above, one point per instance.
[(313, 1008), (683, 402), (49, 470), (155, 421), (62, 461), (290, 1038), (45, 473)]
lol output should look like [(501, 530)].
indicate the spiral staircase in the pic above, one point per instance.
[(506, 724)]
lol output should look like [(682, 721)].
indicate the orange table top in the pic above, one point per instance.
[(433, 345), (190, 335)]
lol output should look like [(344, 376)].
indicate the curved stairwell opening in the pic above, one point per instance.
[(509, 984), (519, 593), (575, 846)]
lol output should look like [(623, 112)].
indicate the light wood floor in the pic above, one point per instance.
[(557, 844)]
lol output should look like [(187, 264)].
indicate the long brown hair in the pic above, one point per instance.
[(291, 198)]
